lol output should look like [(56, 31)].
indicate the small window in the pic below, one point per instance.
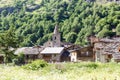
[(27, 56), (55, 37), (55, 55), (110, 56), (87, 53)]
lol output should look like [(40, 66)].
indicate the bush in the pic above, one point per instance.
[(92, 65), (35, 65), (88, 65), (19, 59)]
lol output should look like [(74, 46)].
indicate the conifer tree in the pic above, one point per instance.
[(8, 41)]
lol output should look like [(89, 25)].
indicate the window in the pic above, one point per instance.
[(27, 56), (55, 37), (46, 55), (55, 55), (87, 53)]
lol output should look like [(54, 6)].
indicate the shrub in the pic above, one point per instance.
[(19, 59), (88, 65), (35, 65), (92, 65)]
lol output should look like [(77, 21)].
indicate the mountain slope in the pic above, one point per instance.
[(35, 20)]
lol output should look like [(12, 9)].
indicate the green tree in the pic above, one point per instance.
[(8, 41), (118, 29), (71, 37), (104, 33)]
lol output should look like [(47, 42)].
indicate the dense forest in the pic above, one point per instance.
[(34, 20)]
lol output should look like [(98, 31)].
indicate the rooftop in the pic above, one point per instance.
[(52, 50), (28, 50)]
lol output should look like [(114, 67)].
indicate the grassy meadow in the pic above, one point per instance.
[(63, 71)]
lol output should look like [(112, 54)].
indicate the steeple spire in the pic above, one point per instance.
[(56, 29)]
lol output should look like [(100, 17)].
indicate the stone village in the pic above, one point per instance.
[(103, 50)]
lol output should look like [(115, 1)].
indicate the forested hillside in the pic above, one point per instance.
[(34, 20)]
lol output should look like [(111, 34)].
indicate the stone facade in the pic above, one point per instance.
[(106, 49), (48, 44), (78, 53), (56, 38)]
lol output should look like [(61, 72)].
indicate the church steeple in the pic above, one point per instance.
[(56, 30), (56, 37)]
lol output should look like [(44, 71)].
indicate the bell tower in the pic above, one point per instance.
[(56, 37)]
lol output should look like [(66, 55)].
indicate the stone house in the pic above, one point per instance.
[(73, 55), (106, 49), (30, 53), (54, 50), (74, 50), (78, 53), (86, 54), (54, 54)]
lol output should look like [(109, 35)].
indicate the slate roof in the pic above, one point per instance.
[(28, 50), (52, 50)]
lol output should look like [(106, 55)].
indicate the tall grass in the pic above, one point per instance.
[(70, 71)]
